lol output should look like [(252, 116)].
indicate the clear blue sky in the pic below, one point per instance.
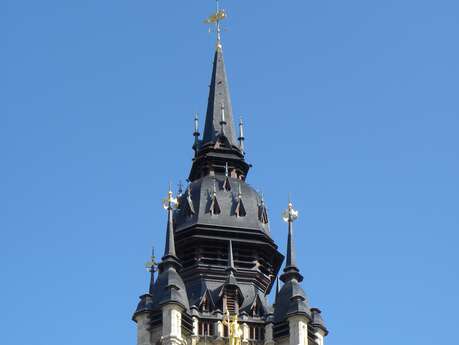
[(350, 105)]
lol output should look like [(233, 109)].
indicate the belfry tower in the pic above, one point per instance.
[(220, 262)]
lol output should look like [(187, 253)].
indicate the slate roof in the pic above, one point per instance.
[(219, 95), (201, 193), (291, 300)]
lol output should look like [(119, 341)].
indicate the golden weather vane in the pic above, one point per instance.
[(215, 19), (152, 265)]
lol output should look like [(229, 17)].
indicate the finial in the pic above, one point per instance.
[(152, 267), (214, 206), (215, 19), (169, 257), (262, 212), (226, 182), (169, 202), (240, 208), (196, 124), (152, 264), (196, 134), (214, 190), (291, 270), (290, 214), (223, 121), (241, 135), (180, 188)]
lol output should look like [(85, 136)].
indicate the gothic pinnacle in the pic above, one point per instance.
[(291, 270), (170, 257)]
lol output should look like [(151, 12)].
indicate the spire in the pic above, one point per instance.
[(219, 116), (152, 267), (231, 269), (230, 257), (170, 256), (291, 270), (218, 143)]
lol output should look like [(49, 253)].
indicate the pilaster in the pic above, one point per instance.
[(172, 325), (298, 325), (269, 334), (143, 329), (245, 333), (320, 334), (195, 335)]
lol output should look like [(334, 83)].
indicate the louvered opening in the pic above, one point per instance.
[(281, 330), (187, 324), (206, 328), (231, 302), (256, 332)]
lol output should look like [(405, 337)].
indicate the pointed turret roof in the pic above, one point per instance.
[(218, 145), (231, 257), (219, 116), (170, 257), (231, 270), (291, 299), (291, 270), (169, 287)]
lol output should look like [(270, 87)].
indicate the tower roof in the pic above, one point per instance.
[(169, 287), (291, 299), (218, 146), (291, 270), (170, 257), (219, 115)]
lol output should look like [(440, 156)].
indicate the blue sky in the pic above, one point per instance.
[(352, 106)]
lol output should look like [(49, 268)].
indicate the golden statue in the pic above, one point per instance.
[(234, 330)]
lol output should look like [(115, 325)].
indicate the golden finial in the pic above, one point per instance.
[(290, 214), (215, 19), (170, 202)]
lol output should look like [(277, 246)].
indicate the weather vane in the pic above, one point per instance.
[(290, 214), (170, 202), (152, 265), (215, 19)]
